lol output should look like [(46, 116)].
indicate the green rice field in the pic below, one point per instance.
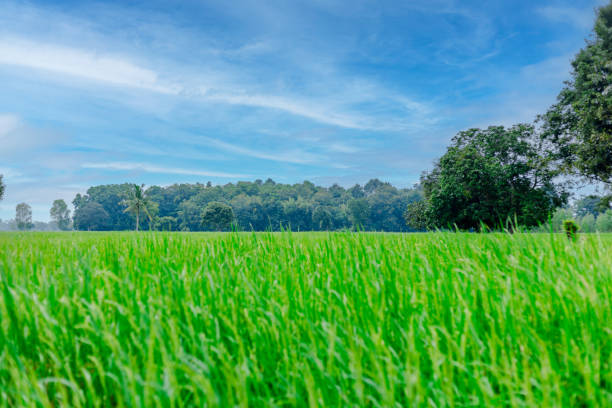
[(305, 319)]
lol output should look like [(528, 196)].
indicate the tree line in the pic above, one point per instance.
[(490, 178), (246, 206)]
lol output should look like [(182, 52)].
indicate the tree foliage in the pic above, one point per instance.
[(23, 217), (580, 123), (137, 203), (262, 205), (2, 187), (92, 216), (490, 177), (60, 214), (217, 216)]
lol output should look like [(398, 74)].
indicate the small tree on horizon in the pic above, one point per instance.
[(137, 203), (60, 214), (23, 217)]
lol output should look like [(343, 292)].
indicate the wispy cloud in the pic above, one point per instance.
[(296, 156), (150, 168), (110, 69), (80, 63)]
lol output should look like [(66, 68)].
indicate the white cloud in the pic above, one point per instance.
[(293, 156), (80, 63), (290, 105), (119, 71), (149, 168)]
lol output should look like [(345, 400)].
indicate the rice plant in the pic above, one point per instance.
[(308, 319)]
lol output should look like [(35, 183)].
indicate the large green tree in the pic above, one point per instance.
[(1, 188), (580, 123), (217, 216), (137, 203), (60, 214), (23, 216), (491, 177), (91, 216)]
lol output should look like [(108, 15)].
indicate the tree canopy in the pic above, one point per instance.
[(137, 203), (60, 214), (91, 216), (23, 216), (259, 206), (1, 187), (580, 123), (217, 216), (489, 176)]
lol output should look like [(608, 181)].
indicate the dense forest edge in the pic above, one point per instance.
[(488, 179)]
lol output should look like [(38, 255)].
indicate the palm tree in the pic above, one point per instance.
[(138, 202)]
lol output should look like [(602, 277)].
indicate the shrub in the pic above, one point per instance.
[(570, 227)]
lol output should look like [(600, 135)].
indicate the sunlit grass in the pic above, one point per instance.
[(312, 319)]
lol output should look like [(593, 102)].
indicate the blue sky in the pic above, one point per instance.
[(159, 92)]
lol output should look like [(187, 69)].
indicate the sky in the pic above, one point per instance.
[(330, 91)]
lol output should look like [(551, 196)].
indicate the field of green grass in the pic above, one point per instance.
[(305, 319)]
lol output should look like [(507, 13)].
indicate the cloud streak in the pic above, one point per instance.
[(80, 63), (150, 168)]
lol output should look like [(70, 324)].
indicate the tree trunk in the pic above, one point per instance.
[(137, 220)]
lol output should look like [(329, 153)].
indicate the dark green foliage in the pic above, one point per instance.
[(166, 223), (416, 216), (490, 176), (1, 187), (60, 214), (110, 197), (92, 216), (570, 227), (217, 216), (23, 217), (137, 203), (580, 123), (262, 206), (359, 213)]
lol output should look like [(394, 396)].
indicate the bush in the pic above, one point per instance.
[(570, 227)]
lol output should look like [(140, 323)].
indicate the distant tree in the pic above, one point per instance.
[(298, 214), (138, 203), (322, 218), (359, 213), (416, 216), (587, 205), (166, 223), (250, 213), (492, 176), (60, 214), (372, 185), (587, 223), (604, 222), (217, 216), (23, 216), (580, 123), (259, 206), (2, 187), (91, 217)]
